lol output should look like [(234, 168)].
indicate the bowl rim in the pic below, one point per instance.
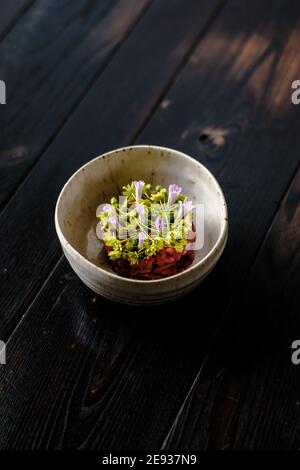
[(220, 243)]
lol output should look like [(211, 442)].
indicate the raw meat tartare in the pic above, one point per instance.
[(147, 231)]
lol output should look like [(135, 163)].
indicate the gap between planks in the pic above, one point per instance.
[(13, 17), (218, 331), (26, 306), (75, 105)]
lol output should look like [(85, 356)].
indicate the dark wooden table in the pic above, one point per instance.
[(209, 77)]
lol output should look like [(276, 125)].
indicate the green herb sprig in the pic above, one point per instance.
[(145, 220)]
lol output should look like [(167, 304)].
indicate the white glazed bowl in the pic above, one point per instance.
[(100, 179)]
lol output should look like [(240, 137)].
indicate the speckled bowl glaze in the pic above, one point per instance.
[(99, 180)]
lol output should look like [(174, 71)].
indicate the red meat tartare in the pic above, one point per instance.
[(146, 233), (165, 263)]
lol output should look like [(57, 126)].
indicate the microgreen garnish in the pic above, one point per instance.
[(145, 220)]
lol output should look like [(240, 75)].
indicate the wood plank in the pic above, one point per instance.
[(48, 62), (11, 13), (108, 117), (232, 111), (82, 389), (247, 396), (164, 355)]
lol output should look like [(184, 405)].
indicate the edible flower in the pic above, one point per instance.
[(142, 237), (112, 221), (140, 209), (138, 189), (159, 223), (174, 192), (106, 208), (184, 208)]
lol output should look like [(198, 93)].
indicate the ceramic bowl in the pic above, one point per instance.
[(100, 179)]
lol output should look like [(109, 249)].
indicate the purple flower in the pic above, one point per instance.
[(140, 209), (159, 223), (142, 237), (112, 221), (184, 208), (174, 192), (179, 213), (106, 208), (138, 189), (188, 206)]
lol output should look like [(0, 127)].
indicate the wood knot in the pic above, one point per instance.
[(212, 139)]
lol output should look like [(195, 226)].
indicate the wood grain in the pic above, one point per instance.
[(230, 108), (49, 61), (11, 13), (95, 377), (248, 394), (108, 117)]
